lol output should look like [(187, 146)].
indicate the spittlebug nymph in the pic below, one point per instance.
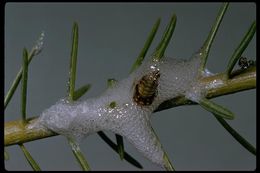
[(244, 63), (146, 89)]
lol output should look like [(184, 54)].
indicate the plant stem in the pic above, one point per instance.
[(147, 44), (216, 109), (160, 49), (75, 95), (79, 156), (29, 158), (16, 81), (73, 61), (240, 49), (236, 135), (24, 85), (167, 163), (127, 157), (15, 132), (207, 44), (120, 146), (81, 91)]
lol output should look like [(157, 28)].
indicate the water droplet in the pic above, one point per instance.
[(37, 48)]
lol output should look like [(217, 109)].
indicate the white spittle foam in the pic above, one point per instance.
[(81, 118)]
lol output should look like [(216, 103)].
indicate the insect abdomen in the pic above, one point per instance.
[(146, 89)]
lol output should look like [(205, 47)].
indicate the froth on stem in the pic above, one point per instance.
[(74, 95), (167, 163), (119, 138)]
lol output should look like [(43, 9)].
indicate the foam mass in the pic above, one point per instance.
[(79, 119)]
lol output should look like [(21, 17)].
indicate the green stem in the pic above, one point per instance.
[(29, 158), (24, 85), (79, 155), (16, 81), (207, 44), (159, 51), (34, 51), (74, 95), (127, 157), (73, 61), (147, 44), (240, 49), (81, 91), (168, 165), (216, 109), (120, 145), (236, 135)]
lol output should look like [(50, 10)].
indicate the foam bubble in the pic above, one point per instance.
[(37, 48), (79, 119)]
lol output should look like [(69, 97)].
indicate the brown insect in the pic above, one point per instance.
[(146, 89), (244, 63)]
